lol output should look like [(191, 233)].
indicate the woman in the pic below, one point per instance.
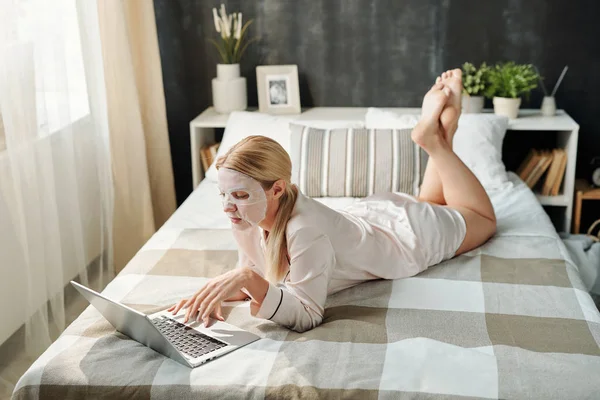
[(294, 251)]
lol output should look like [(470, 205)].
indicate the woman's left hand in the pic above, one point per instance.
[(209, 298)]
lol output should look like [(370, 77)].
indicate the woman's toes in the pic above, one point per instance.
[(438, 80)]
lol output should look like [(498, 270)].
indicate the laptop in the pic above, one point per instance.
[(190, 344)]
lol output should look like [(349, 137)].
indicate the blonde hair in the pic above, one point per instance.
[(266, 161)]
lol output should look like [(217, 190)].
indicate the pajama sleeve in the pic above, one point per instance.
[(299, 304)]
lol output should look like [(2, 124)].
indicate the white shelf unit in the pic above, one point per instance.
[(202, 132), (567, 135)]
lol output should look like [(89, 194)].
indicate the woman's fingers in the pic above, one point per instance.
[(219, 312), (211, 309), (207, 301), (191, 300), (190, 304), (191, 312), (207, 305), (214, 305), (176, 307)]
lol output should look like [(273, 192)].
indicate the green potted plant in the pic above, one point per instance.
[(229, 88), (508, 82), (475, 82)]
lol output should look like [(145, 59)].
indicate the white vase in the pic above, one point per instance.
[(548, 106), (507, 106), (472, 104), (229, 89)]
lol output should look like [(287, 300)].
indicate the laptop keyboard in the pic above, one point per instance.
[(187, 340)]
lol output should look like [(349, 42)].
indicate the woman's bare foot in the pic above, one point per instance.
[(452, 80), (427, 133)]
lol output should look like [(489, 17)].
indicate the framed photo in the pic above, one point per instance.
[(278, 90)]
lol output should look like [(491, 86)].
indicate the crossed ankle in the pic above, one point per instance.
[(435, 145)]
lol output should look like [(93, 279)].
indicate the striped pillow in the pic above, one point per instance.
[(354, 162)]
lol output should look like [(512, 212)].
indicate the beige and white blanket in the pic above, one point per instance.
[(508, 320)]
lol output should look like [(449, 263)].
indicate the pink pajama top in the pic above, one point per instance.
[(385, 236)]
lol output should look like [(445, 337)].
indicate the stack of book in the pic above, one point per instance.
[(539, 162), (208, 154)]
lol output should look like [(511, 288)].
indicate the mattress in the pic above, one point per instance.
[(510, 319)]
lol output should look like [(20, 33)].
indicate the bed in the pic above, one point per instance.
[(510, 319)]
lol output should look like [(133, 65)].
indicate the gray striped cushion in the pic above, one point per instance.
[(354, 162)]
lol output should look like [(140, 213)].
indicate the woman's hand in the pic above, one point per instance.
[(240, 296), (217, 314), (207, 301)]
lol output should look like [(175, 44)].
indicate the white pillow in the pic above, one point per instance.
[(242, 124), (382, 119), (477, 142), (377, 118), (350, 162)]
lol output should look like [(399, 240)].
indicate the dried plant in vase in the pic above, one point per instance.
[(233, 40), (229, 88)]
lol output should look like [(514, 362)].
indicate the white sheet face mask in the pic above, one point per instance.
[(244, 199)]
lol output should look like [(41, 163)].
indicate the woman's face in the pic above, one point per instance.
[(244, 199)]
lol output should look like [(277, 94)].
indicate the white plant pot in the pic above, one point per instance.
[(472, 104), (229, 89), (548, 106), (507, 107)]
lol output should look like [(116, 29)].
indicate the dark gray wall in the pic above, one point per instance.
[(381, 53)]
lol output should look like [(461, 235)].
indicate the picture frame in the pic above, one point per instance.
[(278, 89)]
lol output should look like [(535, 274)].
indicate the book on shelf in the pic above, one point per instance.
[(554, 172), (527, 165), (208, 154), (561, 174), (540, 162), (543, 160)]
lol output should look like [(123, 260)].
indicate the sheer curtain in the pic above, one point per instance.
[(56, 196), (140, 152)]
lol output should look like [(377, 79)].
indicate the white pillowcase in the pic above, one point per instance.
[(382, 119), (242, 124), (477, 142)]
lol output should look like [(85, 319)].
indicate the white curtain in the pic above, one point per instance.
[(56, 200)]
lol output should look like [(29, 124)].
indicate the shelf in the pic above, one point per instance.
[(560, 200), (533, 120), (212, 119), (529, 119)]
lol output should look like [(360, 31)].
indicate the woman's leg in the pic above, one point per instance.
[(431, 189), (461, 189)]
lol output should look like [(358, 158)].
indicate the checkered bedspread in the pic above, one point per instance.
[(508, 320)]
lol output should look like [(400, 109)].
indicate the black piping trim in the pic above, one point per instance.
[(278, 305)]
